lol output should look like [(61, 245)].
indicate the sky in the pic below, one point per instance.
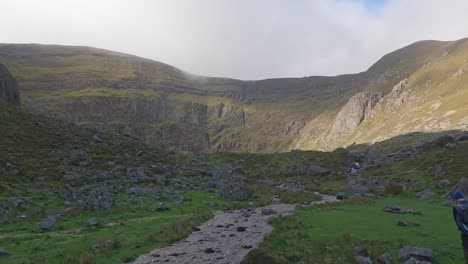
[(244, 39)]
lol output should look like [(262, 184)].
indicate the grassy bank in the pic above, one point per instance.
[(321, 234)]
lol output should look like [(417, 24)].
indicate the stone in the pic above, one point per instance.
[(394, 209), (241, 229), (162, 207), (426, 194), (443, 183), (439, 172), (313, 170), (209, 251), (18, 202), (235, 189), (413, 223), (220, 174), (421, 254), (352, 189), (269, 211), (462, 186), (47, 224), (385, 258), (275, 199), (416, 261), (3, 252), (360, 251), (341, 196), (402, 223), (363, 260), (98, 199), (268, 183), (93, 222)]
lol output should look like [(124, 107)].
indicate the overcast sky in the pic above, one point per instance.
[(246, 39)]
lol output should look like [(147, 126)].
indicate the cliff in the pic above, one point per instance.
[(168, 107)]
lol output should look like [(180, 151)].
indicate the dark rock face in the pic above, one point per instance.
[(8, 86)]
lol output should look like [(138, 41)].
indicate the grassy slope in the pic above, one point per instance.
[(313, 235)]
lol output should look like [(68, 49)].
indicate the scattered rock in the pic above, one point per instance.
[(341, 196), (421, 254), (443, 183), (99, 199), (241, 229), (209, 250), (416, 261), (402, 223), (269, 211), (235, 189), (47, 224), (439, 172), (313, 170), (93, 222), (18, 202), (394, 209), (385, 258), (162, 207), (360, 251), (426, 194), (363, 260)]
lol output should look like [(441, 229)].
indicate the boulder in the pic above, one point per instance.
[(420, 254), (93, 222), (162, 207), (416, 261), (443, 183), (99, 199), (341, 196), (363, 260), (462, 186), (394, 209), (48, 223), (385, 258), (356, 188), (313, 170), (235, 189), (439, 172), (426, 194), (360, 251)]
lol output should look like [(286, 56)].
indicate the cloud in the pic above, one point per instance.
[(247, 39)]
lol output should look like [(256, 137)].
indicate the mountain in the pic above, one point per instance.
[(421, 87)]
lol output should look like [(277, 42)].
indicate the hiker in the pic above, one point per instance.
[(460, 215)]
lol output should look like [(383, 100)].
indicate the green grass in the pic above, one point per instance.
[(139, 228), (314, 234)]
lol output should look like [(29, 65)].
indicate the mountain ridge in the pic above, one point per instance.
[(175, 109)]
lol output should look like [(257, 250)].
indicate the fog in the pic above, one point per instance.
[(246, 39)]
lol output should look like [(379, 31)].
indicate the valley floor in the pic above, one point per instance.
[(225, 239)]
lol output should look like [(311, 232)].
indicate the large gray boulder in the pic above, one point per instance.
[(419, 254), (313, 170)]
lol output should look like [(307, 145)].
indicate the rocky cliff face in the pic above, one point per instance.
[(8, 87), (421, 87)]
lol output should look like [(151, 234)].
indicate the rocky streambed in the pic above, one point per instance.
[(226, 238)]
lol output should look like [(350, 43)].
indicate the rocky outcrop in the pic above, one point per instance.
[(353, 114), (8, 87)]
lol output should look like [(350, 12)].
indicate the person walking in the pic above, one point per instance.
[(460, 215)]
